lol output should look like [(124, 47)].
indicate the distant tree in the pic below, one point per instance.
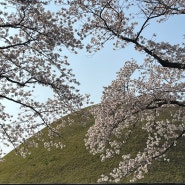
[(133, 99), (32, 38)]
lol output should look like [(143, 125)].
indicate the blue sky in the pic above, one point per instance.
[(98, 70)]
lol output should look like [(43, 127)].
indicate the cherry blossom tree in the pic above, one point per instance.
[(129, 102), (32, 39), (142, 91)]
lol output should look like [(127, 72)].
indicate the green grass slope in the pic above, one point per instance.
[(74, 164)]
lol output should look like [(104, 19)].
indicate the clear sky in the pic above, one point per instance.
[(98, 70)]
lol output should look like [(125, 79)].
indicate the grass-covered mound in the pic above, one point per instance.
[(74, 164)]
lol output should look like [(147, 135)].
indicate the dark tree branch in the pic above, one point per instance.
[(39, 113), (160, 102), (164, 63), (171, 145), (21, 84), (15, 45)]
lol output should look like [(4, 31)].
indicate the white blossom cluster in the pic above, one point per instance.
[(51, 144), (154, 102)]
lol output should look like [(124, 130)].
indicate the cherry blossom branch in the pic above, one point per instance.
[(117, 34), (37, 112), (171, 145)]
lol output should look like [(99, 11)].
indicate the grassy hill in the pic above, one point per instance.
[(74, 164)]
